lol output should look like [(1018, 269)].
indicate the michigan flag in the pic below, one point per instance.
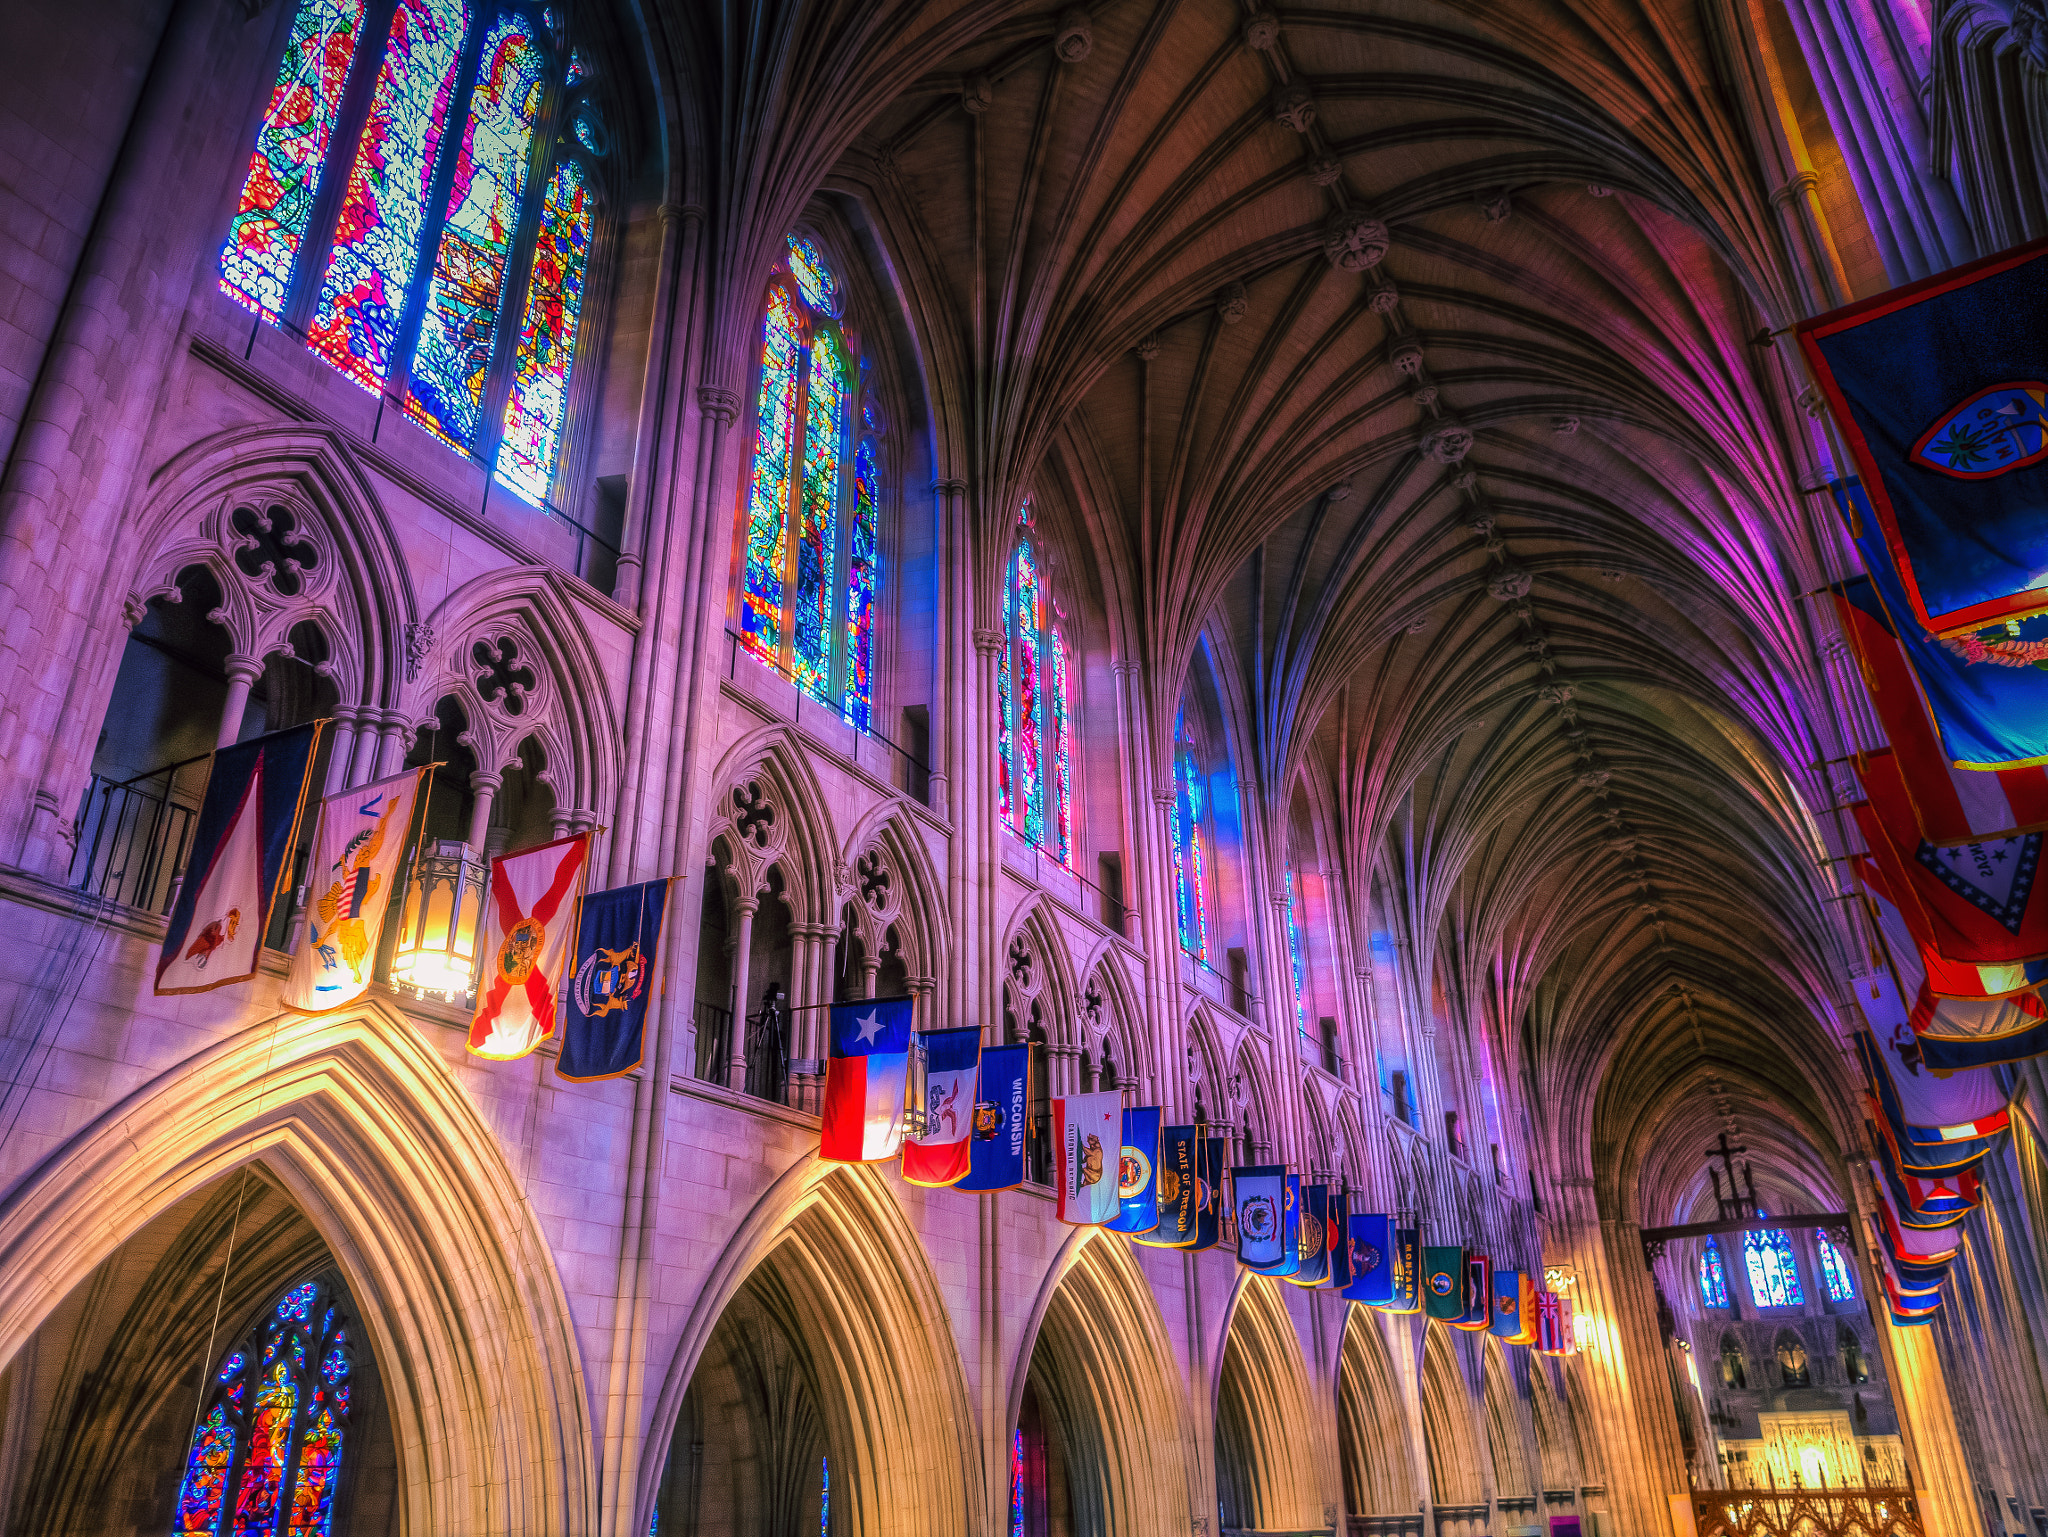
[(612, 982)]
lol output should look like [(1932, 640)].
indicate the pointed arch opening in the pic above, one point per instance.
[(1379, 1477), (1267, 1471)]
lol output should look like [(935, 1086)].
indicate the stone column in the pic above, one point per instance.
[(341, 744), (391, 742), (743, 946), (483, 785), (242, 672)]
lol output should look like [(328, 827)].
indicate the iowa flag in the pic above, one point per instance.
[(867, 1078), (941, 1151), (531, 933)]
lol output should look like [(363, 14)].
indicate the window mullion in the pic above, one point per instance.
[(519, 272), (793, 506), (846, 507), (435, 214), (373, 36)]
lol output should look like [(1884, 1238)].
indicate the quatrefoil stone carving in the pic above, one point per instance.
[(278, 554), (874, 881), (503, 674), (753, 816)]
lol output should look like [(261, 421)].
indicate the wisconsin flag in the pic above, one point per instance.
[(530, 931), (1137, 1186), (1087, 1138), (942, 1152), (867, 1077), (995, 1158), (356, 854), (612, 982), (1936, 387), (241, 845)]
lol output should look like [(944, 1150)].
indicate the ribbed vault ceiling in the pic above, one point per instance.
[(1554, 680)]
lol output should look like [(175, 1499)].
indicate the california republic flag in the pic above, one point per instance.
[(531, 929)]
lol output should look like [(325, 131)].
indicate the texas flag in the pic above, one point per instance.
[(1088, 1140), (941, 1151), (866, 1079)]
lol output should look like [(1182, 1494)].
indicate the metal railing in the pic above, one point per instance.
[(1802, 1512), (133, 838), (714, 1041)]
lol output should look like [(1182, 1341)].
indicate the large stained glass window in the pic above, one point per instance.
[(1297, 953), (266, 1456), (1713, 1277), (1190, 859), (810, 523), (1034, 766), (401, 234), (1773, 1272), (1834, 1272)]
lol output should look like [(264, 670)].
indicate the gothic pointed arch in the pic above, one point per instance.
[(358, 1120), (1505, 1442), (1271, 1467), (1557, 1452), (1037, 964), (1379, 1473), (766, 806), (1455, 1475), (826, 1254), (1111, 1011), (889, 880)]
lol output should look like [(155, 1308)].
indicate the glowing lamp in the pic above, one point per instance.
[(436, 950)]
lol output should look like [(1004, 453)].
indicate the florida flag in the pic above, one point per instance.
[(867, 1078), (941, 1150), (1088, 1138), (531, 931)]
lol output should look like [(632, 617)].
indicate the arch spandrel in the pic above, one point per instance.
[(365, 1129)]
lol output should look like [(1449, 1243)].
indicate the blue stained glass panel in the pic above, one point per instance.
[(1834, 1273), (537, 408), (817, 538), (863, 572), (813, 277), (1296, 956), (384, 210), (767, 510), (1713, 1277), (1773, 1271)]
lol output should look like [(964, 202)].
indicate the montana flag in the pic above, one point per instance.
[(1312, 1237), (1371, 1239), (1937, 389), (239, 861), (867, 1080), (612, 982), (356, 853), (1087, 1141), (1260, 1192), (1953, 1111), (942, 1151), (1478, 1314), (1002, 1092), (1443, 1283), (1514, 1297), (532, 919), (1137, 1183), (1178, 1189)]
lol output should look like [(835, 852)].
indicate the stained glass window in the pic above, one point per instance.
[(808, 602), (457, 194), (266, 1456), (1773, 1272), (1834, 1272), (276, 208), (1190, 876), (824, 1497), (1297, 955), (1713, 1278), (1017, 1483), (1034, 687)]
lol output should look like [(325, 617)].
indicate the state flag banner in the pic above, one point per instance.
[(529, 930), (1259, 1192), (1443, 1282), (361, 839), (1407, 1271), (1478, 1312), (1954, 807), (1980, 905), (1209, 1213), (1910, 1301), (1877, 995), (1940, 1112), (1508, 1320), (1290, 1231), (1911, 1245), (867, 1080), (940, 1149), (612, 982), (1372, 1259), (1985, 705), (1549, 1324), (1087, 1137), (1312, 1237), (1137, 1186), (1338, 1227), (238, 862), (1937, 389), (1002, 1097), (1929, 1200), (1177, 1195)]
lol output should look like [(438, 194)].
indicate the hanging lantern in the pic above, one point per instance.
[(436, 950)]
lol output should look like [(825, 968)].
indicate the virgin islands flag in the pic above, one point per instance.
[(1938, 388)]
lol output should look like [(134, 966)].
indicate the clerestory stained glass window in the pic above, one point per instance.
[(1773, 1271), (811, 521), (1190, 860), (1834, 1272), (1297, 955), (451, 198), (266, 1455), (1713, 1277), (1017, 1483), (1034, 766)]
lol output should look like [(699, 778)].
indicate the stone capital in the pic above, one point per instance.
[(722, 406)]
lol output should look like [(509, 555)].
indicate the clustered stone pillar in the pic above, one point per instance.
[(742, 953), (243, 671)]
